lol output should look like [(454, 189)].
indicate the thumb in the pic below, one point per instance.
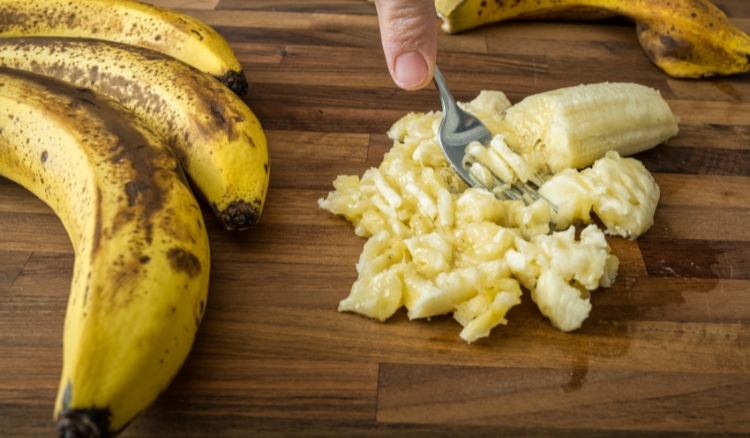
[(409, 33)]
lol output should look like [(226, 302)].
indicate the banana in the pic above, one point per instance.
[(574, 126), (141, 268), (686, 39), (218, 139), (130, 22)]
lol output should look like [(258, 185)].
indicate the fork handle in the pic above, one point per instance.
[(446, 98)]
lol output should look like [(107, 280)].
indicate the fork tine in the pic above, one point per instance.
[(457, 130), (516, 190)]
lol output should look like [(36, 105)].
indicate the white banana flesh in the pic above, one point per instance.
[(575, 126), (141, 246), (557, 132), (467, 251), (621, 192)]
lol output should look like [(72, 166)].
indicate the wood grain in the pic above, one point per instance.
[(664, 353)]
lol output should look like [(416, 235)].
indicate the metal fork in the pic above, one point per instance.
[(459, 128)]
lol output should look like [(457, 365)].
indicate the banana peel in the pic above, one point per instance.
[(685, 38)]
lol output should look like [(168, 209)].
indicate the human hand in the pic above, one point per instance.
[(409, 34)]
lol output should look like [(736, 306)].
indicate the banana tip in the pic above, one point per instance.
[(92, 423), (236, 82), (239, 216)]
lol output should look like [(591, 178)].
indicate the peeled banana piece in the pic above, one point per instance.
[(553, 134), (686, 39), (573, 127), (130, 22), (217, 138), (142, 261)]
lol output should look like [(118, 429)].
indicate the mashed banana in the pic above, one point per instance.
[(439, 247)]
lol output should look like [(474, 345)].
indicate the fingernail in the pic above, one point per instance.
[(410, 70)]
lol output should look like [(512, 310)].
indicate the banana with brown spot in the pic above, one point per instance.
[(141, 269), (131, 22), (686, 39), (218, 139)]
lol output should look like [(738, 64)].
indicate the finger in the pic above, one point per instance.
[(408, 30)]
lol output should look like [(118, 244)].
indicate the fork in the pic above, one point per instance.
[(459, 128)]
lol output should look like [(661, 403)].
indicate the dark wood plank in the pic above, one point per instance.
[(698, 161), (722, 136), (711, 112), (33, 232), (11, 264), (328, 6), (733, 8), (301, 145), (704, 191), (674, 299), (528, 341), (727, 89), (575, 398), (701, 223), (237, 426), (313, 390), (695, 258)]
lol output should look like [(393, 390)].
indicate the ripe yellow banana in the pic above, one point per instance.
[(130, 22), (685, 38), (142, 258), (218, 139)]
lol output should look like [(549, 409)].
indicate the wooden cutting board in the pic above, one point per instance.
[(665, 352)]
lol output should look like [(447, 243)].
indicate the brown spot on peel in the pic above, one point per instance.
[(132, 146), (184, 261), (216, 111), (98, 229), (133, 188), (222, 116)]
